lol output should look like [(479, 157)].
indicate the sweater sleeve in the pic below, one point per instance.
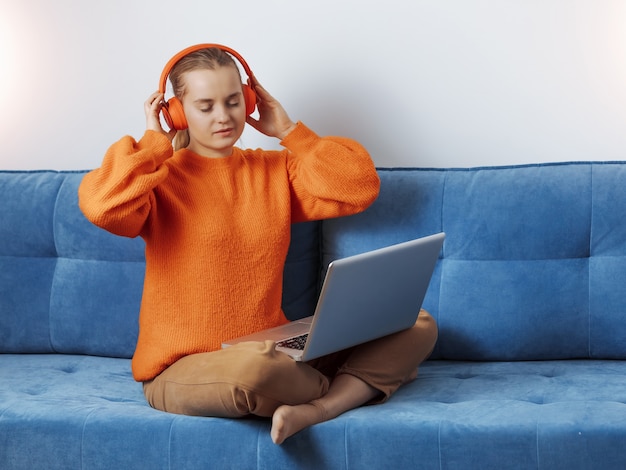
[(118, 196), (329, 176)]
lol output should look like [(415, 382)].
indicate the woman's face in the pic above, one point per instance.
[(215, 110)]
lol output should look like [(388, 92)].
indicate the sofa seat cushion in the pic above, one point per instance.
[(545, 414), (64, 411)]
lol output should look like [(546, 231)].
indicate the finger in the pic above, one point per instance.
[(153, 97), (157, 102), (263, 94), (152, 106), (254, 82)]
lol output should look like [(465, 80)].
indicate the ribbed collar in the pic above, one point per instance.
[(185, 158)]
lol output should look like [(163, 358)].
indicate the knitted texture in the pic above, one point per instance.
[(217, 230)]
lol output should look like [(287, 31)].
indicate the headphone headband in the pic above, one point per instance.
[(174, 60)]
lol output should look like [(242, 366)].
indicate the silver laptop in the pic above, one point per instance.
[(364, 297)]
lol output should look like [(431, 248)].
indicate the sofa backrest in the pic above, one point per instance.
[(534, 262), (533, 266), (67, 286)]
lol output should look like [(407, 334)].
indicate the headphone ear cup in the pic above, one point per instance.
[(250, 98), (174, 115)]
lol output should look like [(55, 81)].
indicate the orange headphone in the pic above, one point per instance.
[(172, 110)]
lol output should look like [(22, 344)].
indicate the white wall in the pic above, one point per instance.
[(434, 83)]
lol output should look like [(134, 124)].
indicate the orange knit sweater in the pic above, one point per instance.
[(217, 230)]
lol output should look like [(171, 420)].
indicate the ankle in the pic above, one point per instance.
[(321, 409)]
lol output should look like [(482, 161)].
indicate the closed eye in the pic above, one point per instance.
[(206, 105)]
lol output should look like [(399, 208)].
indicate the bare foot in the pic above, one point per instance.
[(345, 393), (288, 420)]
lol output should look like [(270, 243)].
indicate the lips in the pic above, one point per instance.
[(225, 132)]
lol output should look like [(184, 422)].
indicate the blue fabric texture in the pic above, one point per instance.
[(528, 370), (72, 412), (533, 258)]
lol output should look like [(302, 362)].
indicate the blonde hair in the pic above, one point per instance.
[(210, 58)]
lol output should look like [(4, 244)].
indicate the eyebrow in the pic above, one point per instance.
[(210, 100)]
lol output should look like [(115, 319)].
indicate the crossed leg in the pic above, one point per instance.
[(253, 378), (386, 364)]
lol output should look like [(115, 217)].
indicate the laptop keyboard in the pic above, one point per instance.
[(297, 342)]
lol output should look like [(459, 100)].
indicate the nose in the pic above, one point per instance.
[(222, 114)]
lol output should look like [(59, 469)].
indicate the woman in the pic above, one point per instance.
[(216, 221)]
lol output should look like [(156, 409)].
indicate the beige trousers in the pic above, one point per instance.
[(254, 378)]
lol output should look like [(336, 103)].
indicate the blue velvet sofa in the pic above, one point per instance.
[(528, 371)]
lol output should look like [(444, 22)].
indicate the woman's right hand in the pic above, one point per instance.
[(152, 108)]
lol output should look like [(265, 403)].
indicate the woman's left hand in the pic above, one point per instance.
[(273, 119)]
